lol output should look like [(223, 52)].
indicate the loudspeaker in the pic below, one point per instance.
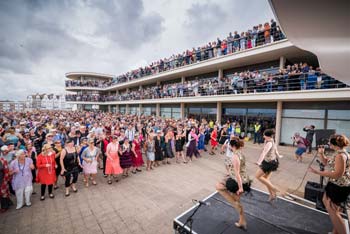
[(312, 191), (323, 135)]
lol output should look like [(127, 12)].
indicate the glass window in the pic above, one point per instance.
[(208, 110), (291, 126), (339, 114), (262, 112), (234, 111), (194, 110), (300, 113), (341, 127)]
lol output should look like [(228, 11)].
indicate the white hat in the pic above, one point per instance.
[(76, 124), (4, 148)]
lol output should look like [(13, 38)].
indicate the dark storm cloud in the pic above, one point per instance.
[(35, 30), (127, 24), (203, 19)]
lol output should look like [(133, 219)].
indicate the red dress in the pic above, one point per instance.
[(46, 175), (137, 161), (214, 135)]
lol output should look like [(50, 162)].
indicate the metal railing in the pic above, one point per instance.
[(227, 86), (210, 51)]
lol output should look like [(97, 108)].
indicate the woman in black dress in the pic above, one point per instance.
[(180, 139), (70, 165), (168, 149), (159, 146), (268, 162)]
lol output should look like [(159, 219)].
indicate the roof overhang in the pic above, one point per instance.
[(78, 75), (321, 27)]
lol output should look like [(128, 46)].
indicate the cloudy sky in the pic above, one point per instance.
[(41, 40)]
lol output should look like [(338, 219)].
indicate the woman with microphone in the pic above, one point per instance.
[(337, 189)]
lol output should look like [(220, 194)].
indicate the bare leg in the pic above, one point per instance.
[(334, 214), (265, 180), (234, 200)]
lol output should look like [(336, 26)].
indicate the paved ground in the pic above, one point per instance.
[(143, 203)]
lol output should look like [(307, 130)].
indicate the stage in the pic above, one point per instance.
[(282, 216)]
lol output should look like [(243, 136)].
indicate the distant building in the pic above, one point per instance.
[(46, 102), (12, 105)]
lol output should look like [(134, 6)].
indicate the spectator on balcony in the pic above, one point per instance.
[(267, 33), (273, 30), (236, 41), (254, 36), (230, 43), (218, 47), (243, 41), (260, 38)]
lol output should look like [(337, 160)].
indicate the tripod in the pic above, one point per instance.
[(189, 220)]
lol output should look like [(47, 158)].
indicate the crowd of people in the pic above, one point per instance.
[(293, 77), (43, 146), (257, 36)]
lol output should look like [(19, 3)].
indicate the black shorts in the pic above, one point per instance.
[(268, 167), (336, 193), (232, 186)]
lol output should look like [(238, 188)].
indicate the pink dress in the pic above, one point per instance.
[(113, 166)]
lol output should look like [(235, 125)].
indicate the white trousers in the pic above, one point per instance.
[(26, 193)]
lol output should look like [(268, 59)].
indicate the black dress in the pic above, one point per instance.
[(179, 144), (158, 145)]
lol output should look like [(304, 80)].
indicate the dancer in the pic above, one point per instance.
[(90, 156), (338, 187), (213, 140), (268, 162), (150, 151), (112, 161), (46, 165), (70, 165), (232, 187), (168, 149), (192, 145), (179, 145), (126, 155), (137, 161)]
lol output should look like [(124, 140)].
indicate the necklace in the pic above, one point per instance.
[(19, 166)]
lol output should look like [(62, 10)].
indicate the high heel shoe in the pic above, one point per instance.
[(241, 226), (272, 198)]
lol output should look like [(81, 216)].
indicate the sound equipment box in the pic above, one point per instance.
[(314, 192)]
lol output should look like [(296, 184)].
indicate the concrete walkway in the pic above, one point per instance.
[(143, 203)]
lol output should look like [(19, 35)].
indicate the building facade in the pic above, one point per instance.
[(210, 89), (46, 102), (12, 106)]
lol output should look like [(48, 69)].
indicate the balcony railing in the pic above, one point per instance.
[(227, 86), (189, 57)]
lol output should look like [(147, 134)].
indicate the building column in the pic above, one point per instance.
[(278, 122), (109, 108), (220, 74), (158, 110), (140, 110), (183, 79), (158, 83), (127, 109), (282, 62), (218, 111), (182, 110)]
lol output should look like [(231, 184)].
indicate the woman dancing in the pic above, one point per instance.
[(268, 162), (338, 187), (232, 187)]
